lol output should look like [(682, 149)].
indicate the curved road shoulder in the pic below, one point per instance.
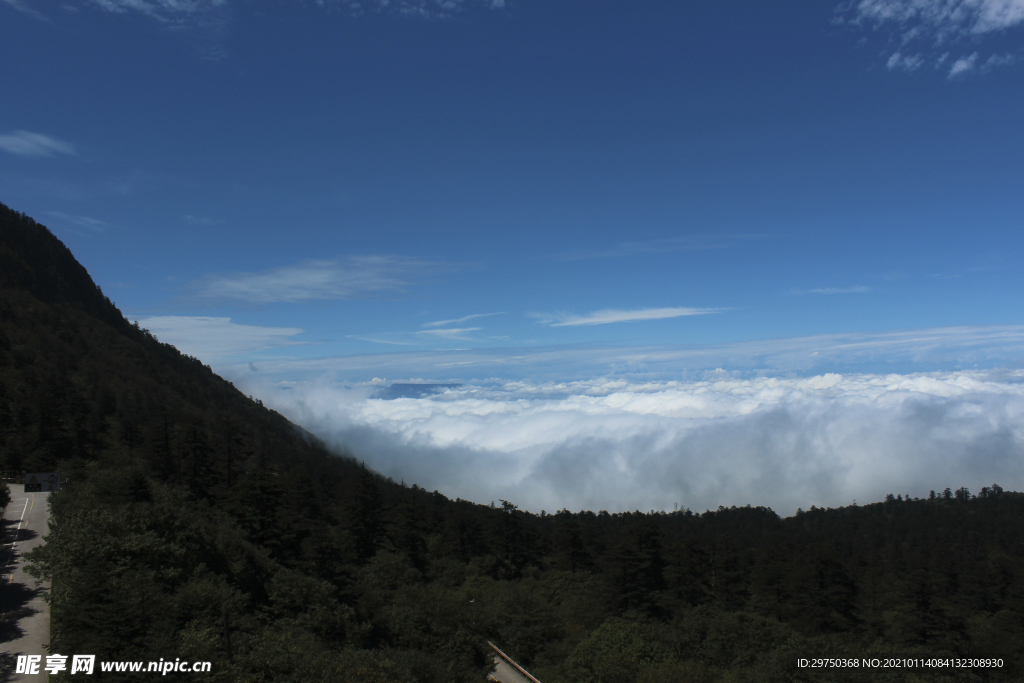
[(25, 620)]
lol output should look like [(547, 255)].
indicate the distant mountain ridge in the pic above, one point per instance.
[(414, 390)]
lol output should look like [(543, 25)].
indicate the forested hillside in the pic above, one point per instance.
[(198, 524)]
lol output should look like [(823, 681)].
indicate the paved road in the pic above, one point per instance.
[(504, 673), (25, 620)]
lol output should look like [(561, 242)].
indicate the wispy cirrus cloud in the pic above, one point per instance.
[(462, 333), (381, 341), (210, 338), (938, 25), (608, 316), (202, 221), (973, 64), (82, 221), (422, 9), (463, 319), (202, 26), (1000, 60), (25, 9), (350, 278), (943, 18), (964, 65), (905, 62), (177, 10), (28, 144), (856, 289), (660, 246), (162, 10), (888, 351)]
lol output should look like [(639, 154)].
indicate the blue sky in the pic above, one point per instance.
[(534, 191)]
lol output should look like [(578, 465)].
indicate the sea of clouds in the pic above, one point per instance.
[(726, 439)]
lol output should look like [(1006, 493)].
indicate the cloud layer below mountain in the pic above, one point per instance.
[(621, 445)]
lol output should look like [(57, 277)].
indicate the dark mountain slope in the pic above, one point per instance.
[(82, 380), (198, 524), (36, 262)]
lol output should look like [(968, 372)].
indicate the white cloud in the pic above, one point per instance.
[(463, 319), (856, 289), (608, 316), (905, 62), (164, 10), (617, 444), (425, 9), (217, 338), (451, 333), (646, 427), (354, 277), (83, 221), (25, 9), (893, 351), (944, 18), (381, 341), (662, 246), (203, 25), (963, 65), (996, 15), (936, 23), (201, 221), (28, 144), (999, 60)]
